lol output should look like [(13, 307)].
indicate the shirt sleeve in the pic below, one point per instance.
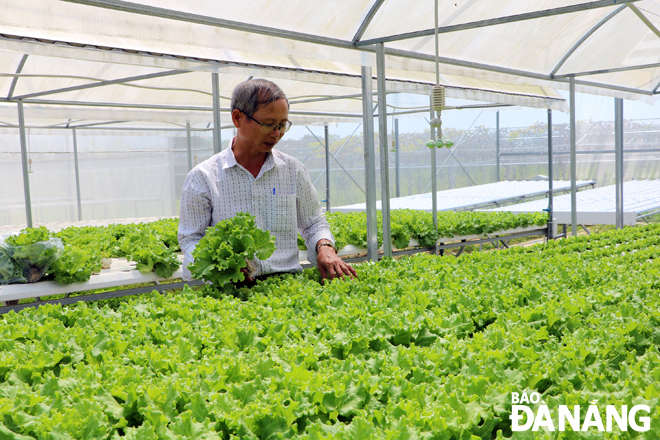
[(194, 217), (312, 224)]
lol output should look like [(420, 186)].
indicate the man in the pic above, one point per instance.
[(252, 177)]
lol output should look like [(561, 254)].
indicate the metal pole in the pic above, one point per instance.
[(434, 184), (77, 169), (550, 178), (369, 163), (396, 157), (497, 144), (171, 159), (384, 150), (571, 84), (327, 169), (434, 179), (618, 159), (24, 159), (189, 144), (217, 131)]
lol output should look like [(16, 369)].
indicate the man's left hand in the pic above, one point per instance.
[(331, 266)]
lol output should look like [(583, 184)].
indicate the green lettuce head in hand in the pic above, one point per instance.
[(224, 250)]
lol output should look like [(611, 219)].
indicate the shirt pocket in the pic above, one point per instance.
[(282, 217)]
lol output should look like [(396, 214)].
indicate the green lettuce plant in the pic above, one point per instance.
[(9, 272), (33, 251), (74, 266), (224, 250), (150, 254)]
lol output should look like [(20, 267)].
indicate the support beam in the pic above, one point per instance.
[(171, 14), (24, 160), (367, 20), (93, 124), (618, 159), (384, 151), (117, 105), (612, 70), (550, 179), (397, 157), (170, 107), (327, 169), (369, 163), (584, 153), (609, 87), (493, 21), (217, 123), (574, 224), (77, 171), (102, 84), (189, 146), (334, 159), (434, 173), (448, 107), (14, 82), (584, 38), (307, 100), (434, 180), (497, 144), (645, 20), (508, 71)]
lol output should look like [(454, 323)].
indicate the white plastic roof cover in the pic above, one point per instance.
[(42, 81), (72, 44), (509, 51)]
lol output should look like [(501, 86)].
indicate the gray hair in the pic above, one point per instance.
[(252, 94)]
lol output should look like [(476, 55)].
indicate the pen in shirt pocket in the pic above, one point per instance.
[(273, 191)]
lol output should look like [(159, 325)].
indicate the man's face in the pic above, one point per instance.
[(275, 113)]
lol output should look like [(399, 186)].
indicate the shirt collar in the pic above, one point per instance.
[(272, 159), (230, 159)]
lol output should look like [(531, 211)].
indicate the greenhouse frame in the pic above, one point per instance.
[(463, 313)]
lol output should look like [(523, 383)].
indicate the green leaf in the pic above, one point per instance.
[(425, 338), (29, 236), (6, 434), (360, 429), (222, 252), (73, 266)]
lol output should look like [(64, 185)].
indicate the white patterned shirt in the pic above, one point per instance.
[(282, 198)]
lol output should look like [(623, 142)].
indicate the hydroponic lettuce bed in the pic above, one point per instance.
[(349, 228), (120, 272), (421, 348), (153, 247)]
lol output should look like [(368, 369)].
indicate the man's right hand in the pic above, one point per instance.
[(247, 277)]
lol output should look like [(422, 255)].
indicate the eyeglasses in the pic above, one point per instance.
[(269, 128)]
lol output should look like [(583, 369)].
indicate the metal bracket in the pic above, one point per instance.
[(104, 295)]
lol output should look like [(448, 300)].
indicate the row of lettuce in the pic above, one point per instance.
[(419, 348), (406, 224), (73, 254)]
